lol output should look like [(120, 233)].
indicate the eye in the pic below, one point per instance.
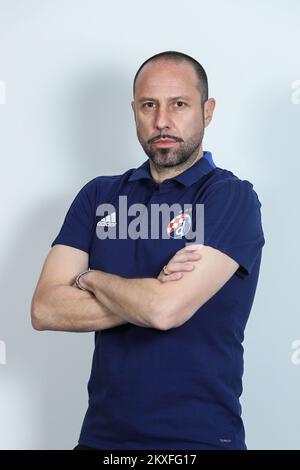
[(148, 104), (180, 104)]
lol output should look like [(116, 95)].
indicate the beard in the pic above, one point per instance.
[(181, 154)]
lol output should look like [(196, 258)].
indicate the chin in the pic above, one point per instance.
[(166, 161)]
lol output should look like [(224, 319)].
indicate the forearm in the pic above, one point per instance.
[(66, 308), (132, 299)]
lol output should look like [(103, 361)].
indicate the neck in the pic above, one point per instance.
[(161, 174)]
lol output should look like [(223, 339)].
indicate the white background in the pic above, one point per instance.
[(67, 67)]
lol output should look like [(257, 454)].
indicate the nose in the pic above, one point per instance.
[(162, 119)]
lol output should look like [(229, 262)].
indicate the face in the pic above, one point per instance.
[(170, 119)]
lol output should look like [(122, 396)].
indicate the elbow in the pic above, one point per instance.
[(37, 320), (165, 308), (164, 314), (171, 314), (37, 324)]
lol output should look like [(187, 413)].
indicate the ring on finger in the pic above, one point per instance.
[(166, 272)]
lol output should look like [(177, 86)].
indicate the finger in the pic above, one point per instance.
[(187, 248), (193, 246), (190, 248), (177, 267), (170, 277), (186, 256)]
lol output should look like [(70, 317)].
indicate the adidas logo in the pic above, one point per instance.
[(108, 221)]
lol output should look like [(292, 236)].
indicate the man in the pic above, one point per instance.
[(168, 361)]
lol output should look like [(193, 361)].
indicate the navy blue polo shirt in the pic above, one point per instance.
[(180, 388)]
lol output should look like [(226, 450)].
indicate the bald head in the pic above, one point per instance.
[(195, 69)]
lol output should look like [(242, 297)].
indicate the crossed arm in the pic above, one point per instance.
[(151, 303), (113, 300)]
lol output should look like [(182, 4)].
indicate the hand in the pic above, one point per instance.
[(181, 262)]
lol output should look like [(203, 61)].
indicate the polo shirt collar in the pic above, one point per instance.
[(187, 177)]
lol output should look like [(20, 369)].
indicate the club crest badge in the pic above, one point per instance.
[(179, 226)]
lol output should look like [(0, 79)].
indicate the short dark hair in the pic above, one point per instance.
[(180, 57)]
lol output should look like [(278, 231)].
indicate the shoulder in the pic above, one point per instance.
[(104, 185), (224, 184), (107, 180)]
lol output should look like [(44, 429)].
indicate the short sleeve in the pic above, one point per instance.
[(232, 222), (78, 225)]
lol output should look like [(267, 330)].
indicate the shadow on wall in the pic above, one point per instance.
[(44, 397)]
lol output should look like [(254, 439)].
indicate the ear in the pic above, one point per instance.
[(209, 107), (133, 109)]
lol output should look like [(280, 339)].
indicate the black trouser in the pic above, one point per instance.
[(82, 447)]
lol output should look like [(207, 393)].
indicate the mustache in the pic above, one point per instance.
[(164, 136)]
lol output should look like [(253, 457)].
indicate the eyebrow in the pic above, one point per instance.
[(182, 97)]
